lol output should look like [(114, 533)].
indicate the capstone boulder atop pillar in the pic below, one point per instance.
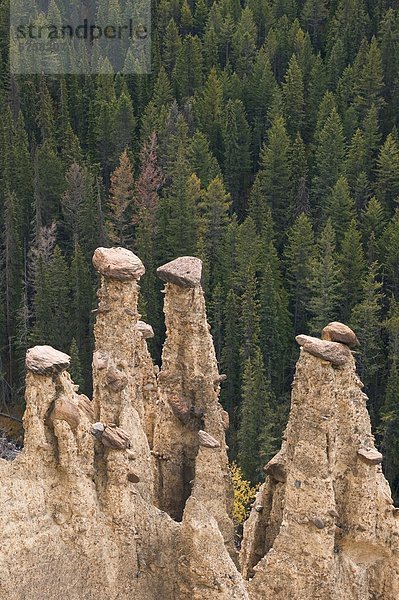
[(118, 263), (185, 272), (45, 360)]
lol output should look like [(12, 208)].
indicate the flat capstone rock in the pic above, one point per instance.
[(45, 360), (118, 263), (333, 352), (186, 272), (338, 332)]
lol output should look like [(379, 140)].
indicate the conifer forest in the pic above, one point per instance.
[(265, 141)]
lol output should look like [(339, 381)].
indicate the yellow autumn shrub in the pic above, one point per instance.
[(244, 494)]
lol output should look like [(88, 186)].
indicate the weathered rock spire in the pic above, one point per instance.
[(325, 526)]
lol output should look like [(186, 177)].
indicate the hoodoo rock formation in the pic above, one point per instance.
[(129, 495)]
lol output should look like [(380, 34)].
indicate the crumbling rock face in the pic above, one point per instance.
[(128, 495)]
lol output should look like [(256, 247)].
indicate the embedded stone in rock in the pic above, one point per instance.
[(86, 406), (145, 329), (304, 339), (333, 352), (118, 263), (97, 429), (133, 478), (111, 436), (370, 456), (65, 410), (116, 380), (185, 272), (100, 360), (275, 468), (207, 440), (115, 437), (179, 408), (338, 332), (45, 360), (319, 523)]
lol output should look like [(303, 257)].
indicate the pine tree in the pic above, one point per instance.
[(178, 212), (82, 300), (208, 111), (324, 282), (340, 207), (172, 46), (353, 268), (273, 186), (202, 161), (120, 200), (146, 201), (387, 186), (237, 157), (314, 15), (244, 42), (76, 369), (370, 80), (255, 434), (214, 208), (366, 322), (299, 178), (389, 252), (231, 366), (11, 288), (187, 74), (389, 427), (328, 164), (356, 161), (372, 224), (52, 303), (293, 91), (299, 252)]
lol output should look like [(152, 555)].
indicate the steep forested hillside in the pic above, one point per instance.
[(265, 141)]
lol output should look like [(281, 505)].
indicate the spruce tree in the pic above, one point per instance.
[(387, 185), (293, 92), (120, 200), (237, 157), (324, 282), (353, 267), (340, 208), (299, 252), (76, 369), (328, 163), (372, 224), (231, 366), (255, 434), (273, 186), (366, 321)]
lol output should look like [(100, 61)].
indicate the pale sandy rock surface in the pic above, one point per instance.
[(129, 495)]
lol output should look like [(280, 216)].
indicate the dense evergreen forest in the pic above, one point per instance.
[(266, 142)]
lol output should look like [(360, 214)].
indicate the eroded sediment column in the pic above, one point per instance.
[(323, 525), (190, 441), (117, 395)]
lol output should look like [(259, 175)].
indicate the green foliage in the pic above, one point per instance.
[(324, 282)]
